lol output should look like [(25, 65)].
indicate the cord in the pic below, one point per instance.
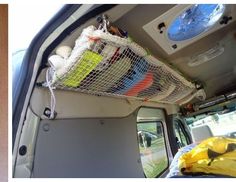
[(53, 98)]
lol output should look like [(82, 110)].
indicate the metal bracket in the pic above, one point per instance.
[(47, 113)]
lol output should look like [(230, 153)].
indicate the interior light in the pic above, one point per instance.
[(195, 20), (206, 56)]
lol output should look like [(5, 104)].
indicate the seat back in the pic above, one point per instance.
[(200, 133)]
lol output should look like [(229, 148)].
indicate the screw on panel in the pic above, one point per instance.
[(161, 27), (46, 127), (225, 20), (101, 122), (22, 150), (174, 46)]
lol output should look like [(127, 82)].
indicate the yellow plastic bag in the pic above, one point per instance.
[(216, 155)]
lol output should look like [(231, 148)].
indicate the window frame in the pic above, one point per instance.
[(143, 121), (183, 129)]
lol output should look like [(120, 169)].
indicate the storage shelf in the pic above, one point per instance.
[(104, 64)]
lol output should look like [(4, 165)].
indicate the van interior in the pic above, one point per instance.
[(117, 91)]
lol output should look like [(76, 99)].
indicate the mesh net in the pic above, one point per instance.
[(103, 64)]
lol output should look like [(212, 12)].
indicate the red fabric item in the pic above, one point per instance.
[(143, 84)]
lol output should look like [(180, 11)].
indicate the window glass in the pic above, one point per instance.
[(26, 26), (220, 124), (181, 139), (152, 148), (17, 59), (195, 20)]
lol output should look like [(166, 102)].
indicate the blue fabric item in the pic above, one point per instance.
[(137, 73), (174, 169)]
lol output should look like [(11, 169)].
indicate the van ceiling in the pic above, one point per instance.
[(217, 75)]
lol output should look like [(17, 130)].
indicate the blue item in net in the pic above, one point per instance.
[(135, 75)]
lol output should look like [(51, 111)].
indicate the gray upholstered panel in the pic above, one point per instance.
[(87, 148)]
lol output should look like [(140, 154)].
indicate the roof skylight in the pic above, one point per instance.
[(195, 20)]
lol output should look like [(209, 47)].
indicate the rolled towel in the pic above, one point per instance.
[(64, 51), (56, 61)]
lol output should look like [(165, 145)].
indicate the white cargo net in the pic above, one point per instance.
[(105, 64)]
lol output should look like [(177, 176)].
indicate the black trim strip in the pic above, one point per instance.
[(171, 134)]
